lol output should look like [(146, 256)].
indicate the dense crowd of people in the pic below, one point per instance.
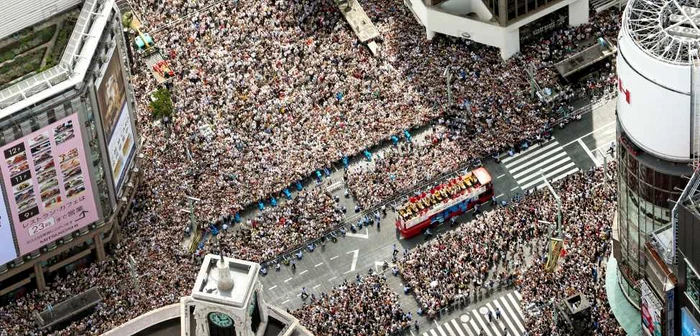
[(363, 307), (265, 93), (398, 168), (276, 229), (587, 234), (510, 246)]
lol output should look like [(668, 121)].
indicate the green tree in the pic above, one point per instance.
[(161, 103), (126, 19)]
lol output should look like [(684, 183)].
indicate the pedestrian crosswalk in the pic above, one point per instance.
[(476, 322), (548, 159)]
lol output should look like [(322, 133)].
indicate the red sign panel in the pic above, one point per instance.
[(623, 90)]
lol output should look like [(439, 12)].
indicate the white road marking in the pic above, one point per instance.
[(442, 332), (526, 154), (333, 278), (456, 326), (319, 264), (334, 257), (358, 235), (588, 151), (504, 315), (499, 176), (288, 280), (499, 196), (449, 330), (594, 131), (572, 171), (355, 253), (537, 166), (302, 272), (515, 319), (314, 287), (549, 175), (273, 287), (497, 320), (521, 153), (285, 302), (515, 303), (514, 189), (477, 316), (474, 326)]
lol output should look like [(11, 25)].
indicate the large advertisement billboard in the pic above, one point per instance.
[(7, 245), (121, 146), (111, 94), (116, 120), (48, 184)]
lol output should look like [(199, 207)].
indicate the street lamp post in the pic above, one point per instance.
[(190, 201), (605, 166), (558, 199), (448, 79)]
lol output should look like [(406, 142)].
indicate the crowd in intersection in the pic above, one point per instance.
[(360, 307), (285, 89), (510, 246)]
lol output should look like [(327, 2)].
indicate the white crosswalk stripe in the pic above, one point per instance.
[(475, 322), (549, 159)]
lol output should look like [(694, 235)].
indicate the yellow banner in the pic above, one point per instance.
[(555, 247)]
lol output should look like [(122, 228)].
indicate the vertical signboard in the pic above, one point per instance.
[(111, 94), (651, 310), (116, 120), (555, 247), (121, 146), (7, 245), (46, 177)]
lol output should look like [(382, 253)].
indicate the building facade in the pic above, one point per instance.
[(496, 23), (655, 128), (68, 139)]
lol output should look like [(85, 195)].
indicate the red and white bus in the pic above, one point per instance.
[(451, 198)]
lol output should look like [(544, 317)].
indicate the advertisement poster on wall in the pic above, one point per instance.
[(651, 310), (121, 146), (7, 245), (111, 94), (48, 184), (116, 120)]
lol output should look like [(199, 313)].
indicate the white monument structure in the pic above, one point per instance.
[(227, 300)]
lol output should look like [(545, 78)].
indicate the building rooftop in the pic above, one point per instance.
[(35, 49), (32, 87), (666, 30), (17, 15), (243, 273)]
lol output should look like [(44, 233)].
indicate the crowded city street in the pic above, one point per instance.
[(299, 146)]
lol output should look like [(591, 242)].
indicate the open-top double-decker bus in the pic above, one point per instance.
[(444, 201)]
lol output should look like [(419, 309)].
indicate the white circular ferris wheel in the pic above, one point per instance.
[(668, 30)]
